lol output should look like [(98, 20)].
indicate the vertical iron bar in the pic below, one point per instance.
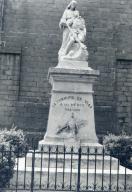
[(33, 146), (64, 151), (41, 165), (25, 168), (56, 163), (95, 167), (48, 166), (33, 166), (71, 168), (125, 184), (79, 169), (118, 173), (103, 153), (17, 170), (9, 161), (87, 186), (110, 184)]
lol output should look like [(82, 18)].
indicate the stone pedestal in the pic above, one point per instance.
[(71, 116)]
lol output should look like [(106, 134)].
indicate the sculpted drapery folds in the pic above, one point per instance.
[(74, 34)]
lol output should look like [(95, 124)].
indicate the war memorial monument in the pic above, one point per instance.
[(71, 122), (71, 116)]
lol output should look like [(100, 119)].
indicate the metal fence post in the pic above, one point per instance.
[(79, 169), (33, 166)]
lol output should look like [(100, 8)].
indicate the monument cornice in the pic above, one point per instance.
[(86, 71)]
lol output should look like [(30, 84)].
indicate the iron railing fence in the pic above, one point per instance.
[(57, 168)]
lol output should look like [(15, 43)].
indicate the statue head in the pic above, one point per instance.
[(72, 5)]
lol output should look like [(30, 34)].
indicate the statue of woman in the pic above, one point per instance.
[(74, 34)]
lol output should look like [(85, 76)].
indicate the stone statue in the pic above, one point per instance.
[(74, 34)]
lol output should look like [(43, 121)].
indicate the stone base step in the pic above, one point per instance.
[(42, 160), (68, 145)]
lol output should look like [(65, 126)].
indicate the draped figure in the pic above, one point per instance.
[(74, 35)]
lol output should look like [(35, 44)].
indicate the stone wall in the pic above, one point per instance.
[(123, 95), (30, 30), (9, 85)]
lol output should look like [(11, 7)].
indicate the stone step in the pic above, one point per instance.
[(42, 160), (55, 177), (92, 147)]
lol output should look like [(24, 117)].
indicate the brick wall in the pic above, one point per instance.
[(31, 27), (9, 85), (123, 95)]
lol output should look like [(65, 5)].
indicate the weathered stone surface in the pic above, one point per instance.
[(71, 116)]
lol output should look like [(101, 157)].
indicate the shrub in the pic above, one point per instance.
[(7, 163), (120, 147), (12, 145), (16, 139)]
